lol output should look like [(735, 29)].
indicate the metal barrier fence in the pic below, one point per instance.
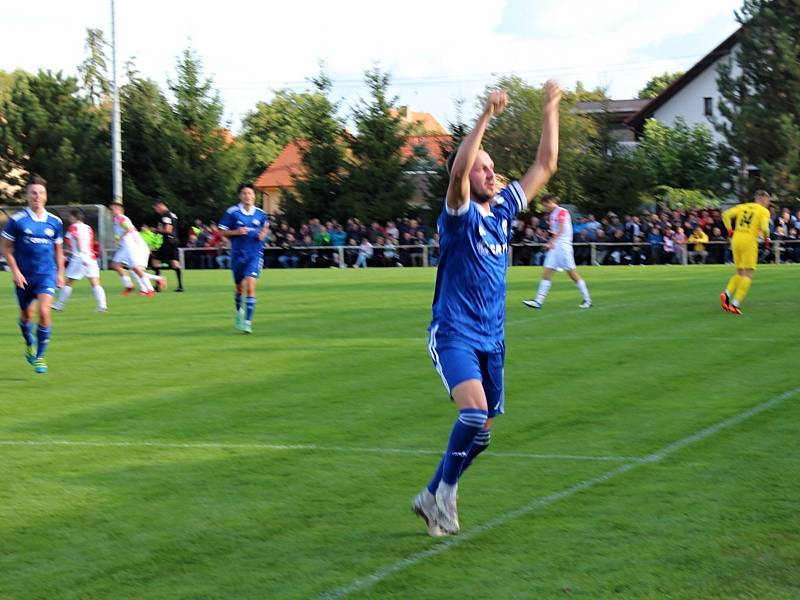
[(606, 253)]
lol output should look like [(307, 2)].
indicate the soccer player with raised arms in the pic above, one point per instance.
[(467, 342), (32, 246), (246, 226), (752, 218)]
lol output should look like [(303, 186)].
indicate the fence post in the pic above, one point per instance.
[(776, 248), (182, 258), (592, 254), (340, 252), (510, 255), (685, 251)]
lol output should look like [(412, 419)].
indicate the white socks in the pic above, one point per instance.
[(584, 290), (544, 287), (126, 281), (100, 297), (66, 292)]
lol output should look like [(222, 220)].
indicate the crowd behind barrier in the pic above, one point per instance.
[(683, 236)]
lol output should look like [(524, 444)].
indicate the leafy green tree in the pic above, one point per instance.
[(657, 84), (271, 125), (49, 129), (760, 100), (512, 137), (319, 187), (611, 175), (377, 185), (210, 164), (681, 156)]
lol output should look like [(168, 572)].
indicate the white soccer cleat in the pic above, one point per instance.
[(585, 304), (446, 509), (424, 505), (532, 303), (58, 307)]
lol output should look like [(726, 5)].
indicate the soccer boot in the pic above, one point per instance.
[(532, 303), (724, 300), (247, 327), (30, 354), (585, 304), (239, 321), (127, 291), (424, 505), (735, 310), (58, 307), (147, 293), (39, 365), (446, 509)]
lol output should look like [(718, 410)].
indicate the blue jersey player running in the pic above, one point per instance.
[(466, 333), (32, 246), (246, 226)]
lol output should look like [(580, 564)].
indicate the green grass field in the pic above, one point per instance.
[(166, 456)]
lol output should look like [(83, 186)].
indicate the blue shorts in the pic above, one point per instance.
[(37, 284), (250, 267), (457, 362)]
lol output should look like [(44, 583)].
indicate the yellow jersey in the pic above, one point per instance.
[(751, 219)]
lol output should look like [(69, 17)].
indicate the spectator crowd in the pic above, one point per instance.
[(660, 237)]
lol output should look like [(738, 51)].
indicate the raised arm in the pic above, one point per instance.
[(458, 192), (546, 161)]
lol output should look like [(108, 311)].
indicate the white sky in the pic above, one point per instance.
[(435, 51)]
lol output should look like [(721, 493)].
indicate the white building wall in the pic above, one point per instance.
[(688, 102)]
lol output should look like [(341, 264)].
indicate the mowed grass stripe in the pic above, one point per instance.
[(335, 363)]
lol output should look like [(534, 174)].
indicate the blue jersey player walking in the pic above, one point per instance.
[(246, 226), (32, 246), (466, 333)]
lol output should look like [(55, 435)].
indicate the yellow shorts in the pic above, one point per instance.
[(745, 252)]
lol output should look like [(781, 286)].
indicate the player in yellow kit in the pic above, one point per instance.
[(752, 218)]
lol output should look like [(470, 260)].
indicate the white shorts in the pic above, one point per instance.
[(76, 269), (560, 258), (132, 256)]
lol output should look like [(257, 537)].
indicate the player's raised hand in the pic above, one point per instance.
[(552, 92), (497, 101)]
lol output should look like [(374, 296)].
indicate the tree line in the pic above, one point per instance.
[(176, 145)]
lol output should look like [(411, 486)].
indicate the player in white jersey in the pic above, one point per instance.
[(132, 251), (559, 254), (82, 262)]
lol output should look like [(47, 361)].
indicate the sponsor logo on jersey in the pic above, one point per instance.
[(48, 232)]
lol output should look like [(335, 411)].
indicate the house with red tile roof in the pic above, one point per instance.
[(427, 133)]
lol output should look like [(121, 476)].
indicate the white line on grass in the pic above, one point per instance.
[(315, 447), (659, 455)]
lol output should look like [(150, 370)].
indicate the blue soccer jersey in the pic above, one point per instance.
[(34, 241), (248, 247), (469, 298)]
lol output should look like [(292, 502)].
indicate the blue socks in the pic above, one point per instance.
[(238, 300), (250, 307), (469, 424), (479, 444), (43, 338), (25, 327)]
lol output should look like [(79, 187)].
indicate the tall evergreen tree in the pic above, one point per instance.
[(760, 90), (210, 164), (319, 187), (93, 71), (152, 136), (437, 183), (378, 186)]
